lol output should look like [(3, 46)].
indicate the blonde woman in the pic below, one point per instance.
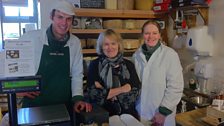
[(112, 80)]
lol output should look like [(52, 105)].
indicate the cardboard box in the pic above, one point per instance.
[(161, 7)]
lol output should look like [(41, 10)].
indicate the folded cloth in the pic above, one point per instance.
[(124, 120), (116, 121)]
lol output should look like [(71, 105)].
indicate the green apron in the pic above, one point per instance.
[(56, 82)]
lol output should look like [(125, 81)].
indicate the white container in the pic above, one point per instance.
[(204, 69), (199, 41)]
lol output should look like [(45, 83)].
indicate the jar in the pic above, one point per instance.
[(192, 84)]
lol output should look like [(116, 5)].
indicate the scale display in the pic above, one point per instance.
[(14, 85)]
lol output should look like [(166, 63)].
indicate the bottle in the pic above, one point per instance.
[(192, 84), (192, 80)]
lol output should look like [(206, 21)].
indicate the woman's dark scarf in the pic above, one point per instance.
[(148, 51), (105, 69)]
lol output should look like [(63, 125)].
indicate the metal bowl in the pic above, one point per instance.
[(203, 101)]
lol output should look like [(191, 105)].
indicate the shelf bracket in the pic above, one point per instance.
[(204, 14)]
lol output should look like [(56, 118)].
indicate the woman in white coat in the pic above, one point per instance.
[(160, 72)]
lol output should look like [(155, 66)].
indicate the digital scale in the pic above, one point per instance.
[(52, 114), (19, 84), (13, 85)]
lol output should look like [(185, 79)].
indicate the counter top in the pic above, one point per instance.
[(192, 118)]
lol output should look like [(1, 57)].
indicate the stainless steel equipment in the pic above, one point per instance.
[(52, 114)]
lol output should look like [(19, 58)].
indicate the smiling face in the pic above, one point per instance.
[(110, 47), (61, 23), (151, 34)]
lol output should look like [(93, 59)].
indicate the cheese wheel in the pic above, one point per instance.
[(143, 4), (125, 4), (111, 4), (113, 24), (131, 43)]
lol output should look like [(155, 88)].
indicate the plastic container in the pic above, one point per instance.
[(199, 41)]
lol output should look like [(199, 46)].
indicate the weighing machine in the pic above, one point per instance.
[(30, 116)]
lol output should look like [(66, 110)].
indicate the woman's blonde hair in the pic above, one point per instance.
[(112, 35)]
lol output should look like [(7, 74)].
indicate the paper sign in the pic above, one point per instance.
[(19, 58)]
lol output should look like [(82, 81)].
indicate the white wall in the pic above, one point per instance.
[(45, 9), (216, 27)]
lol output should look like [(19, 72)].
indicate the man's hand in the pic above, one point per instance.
[(31, 95), (81, 105), (158, 119)]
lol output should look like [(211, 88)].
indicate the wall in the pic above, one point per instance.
[(216, 27), (45, 9)]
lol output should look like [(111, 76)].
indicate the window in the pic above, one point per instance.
[(16, 18)]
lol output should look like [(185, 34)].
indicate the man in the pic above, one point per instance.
[(58, 59)]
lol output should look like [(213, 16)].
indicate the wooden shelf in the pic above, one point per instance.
[(192, 7), (89, 51), (112, 14), (106, 13), (93, 51), (96, 31)]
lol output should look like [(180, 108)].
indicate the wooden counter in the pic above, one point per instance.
[(191, 118)]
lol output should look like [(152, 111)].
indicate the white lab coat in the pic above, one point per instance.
[(162, 82), (39, 38)]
